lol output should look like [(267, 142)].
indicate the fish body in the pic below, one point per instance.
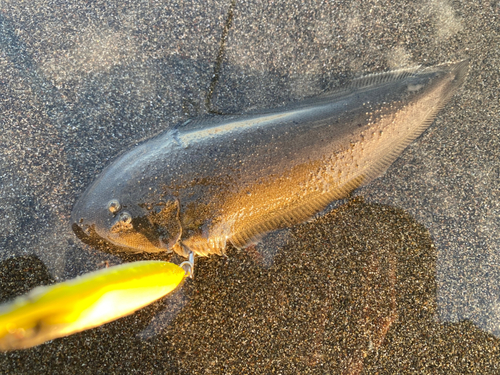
[(231, 179)]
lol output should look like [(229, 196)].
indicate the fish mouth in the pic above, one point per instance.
[(124, 242)]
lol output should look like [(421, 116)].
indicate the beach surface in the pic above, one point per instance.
[(402, 277)]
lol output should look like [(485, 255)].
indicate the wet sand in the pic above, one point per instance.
[(404, 280)]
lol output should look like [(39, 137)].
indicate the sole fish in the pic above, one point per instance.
[(231, 179)]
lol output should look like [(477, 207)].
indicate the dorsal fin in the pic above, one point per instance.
[(210, 120), (355, 84), (383, 77)]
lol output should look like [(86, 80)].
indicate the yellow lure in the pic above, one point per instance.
[(49, 312)]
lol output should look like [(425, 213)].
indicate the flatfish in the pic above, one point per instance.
[(231, 179)]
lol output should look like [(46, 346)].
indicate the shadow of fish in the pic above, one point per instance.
[(234, 178)]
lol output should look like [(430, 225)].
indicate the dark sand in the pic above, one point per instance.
[(402, 281)]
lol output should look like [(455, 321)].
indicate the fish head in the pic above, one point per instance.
[(134, 227), (125, 208)]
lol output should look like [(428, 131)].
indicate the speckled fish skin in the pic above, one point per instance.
[(234, 178)]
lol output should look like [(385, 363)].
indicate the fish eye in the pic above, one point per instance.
[(114, 206), (125, 218)]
